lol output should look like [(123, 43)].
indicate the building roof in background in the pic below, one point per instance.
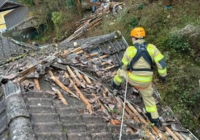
[(8, 4), (17, 16)]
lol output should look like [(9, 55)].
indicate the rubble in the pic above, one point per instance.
[(69, 95), (94, 20)]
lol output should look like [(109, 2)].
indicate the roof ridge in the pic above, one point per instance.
[(17, 114)]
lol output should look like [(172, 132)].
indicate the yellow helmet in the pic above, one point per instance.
[(138, 32)]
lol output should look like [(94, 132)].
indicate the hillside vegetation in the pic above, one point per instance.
[(175, 32)]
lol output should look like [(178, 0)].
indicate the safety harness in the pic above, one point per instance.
[(141, 51)]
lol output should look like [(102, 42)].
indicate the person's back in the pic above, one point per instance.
[(137, 68)]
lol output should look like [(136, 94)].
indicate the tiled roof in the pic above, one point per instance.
[(11, 49), (16, 17), (3, 120), (47, 103), (2, 2)]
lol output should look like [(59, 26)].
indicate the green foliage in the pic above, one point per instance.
[(7, 135), (45, 38), (57, 20), (70, 3), (140, 6), (120, 16), (27, 2), (178, 43), (114, 111), (133, 22), (64, 130), (182, 91)]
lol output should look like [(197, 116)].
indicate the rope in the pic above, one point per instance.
[(120, 135)]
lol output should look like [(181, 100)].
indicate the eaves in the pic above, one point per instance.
[(8, 5)]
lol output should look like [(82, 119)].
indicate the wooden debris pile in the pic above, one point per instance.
[(94, 20), (99, 57), (97, 98)]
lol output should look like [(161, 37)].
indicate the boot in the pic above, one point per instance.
[(148, 115), (156, 122)]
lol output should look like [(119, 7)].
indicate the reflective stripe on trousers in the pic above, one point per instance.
[(145, 79), (151, 108)]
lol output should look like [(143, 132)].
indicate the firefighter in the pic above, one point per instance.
[(137, 65)]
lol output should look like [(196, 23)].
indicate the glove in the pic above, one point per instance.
[(115, 86), (164, 80)]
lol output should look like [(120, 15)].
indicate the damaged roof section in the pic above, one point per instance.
[(99, 56), (12, 50), (68, 96)]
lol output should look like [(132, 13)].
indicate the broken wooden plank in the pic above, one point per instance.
[(149, 136), (178, 135), (137, 120), (115, 122), (60, 96), (73, 76), (87, 79), (110, 67), (80, 52), (171, 133), (83, 82), (76, 50), (37, 84), (91, 55), (120, 107), (101, 57), (61, 84), (131, 114), (85, 101), (96, 24), (136, 113), (23, 76), (154, 129), (160, 134)]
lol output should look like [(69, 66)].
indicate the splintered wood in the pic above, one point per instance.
[(60, 96), (85, 101), (92, 21), (37, 84), (61, 84)]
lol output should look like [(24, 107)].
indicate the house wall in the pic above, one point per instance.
[(2, 20)]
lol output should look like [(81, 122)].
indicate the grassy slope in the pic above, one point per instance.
[(182, 92)]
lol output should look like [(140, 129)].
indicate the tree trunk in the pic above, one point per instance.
[(79, 8)]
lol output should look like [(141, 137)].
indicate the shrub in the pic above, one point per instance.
[(57, 20), (179, 44)]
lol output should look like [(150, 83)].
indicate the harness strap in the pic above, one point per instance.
[(141, 51)]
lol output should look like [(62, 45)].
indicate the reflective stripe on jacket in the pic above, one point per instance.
[(141, 76)]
